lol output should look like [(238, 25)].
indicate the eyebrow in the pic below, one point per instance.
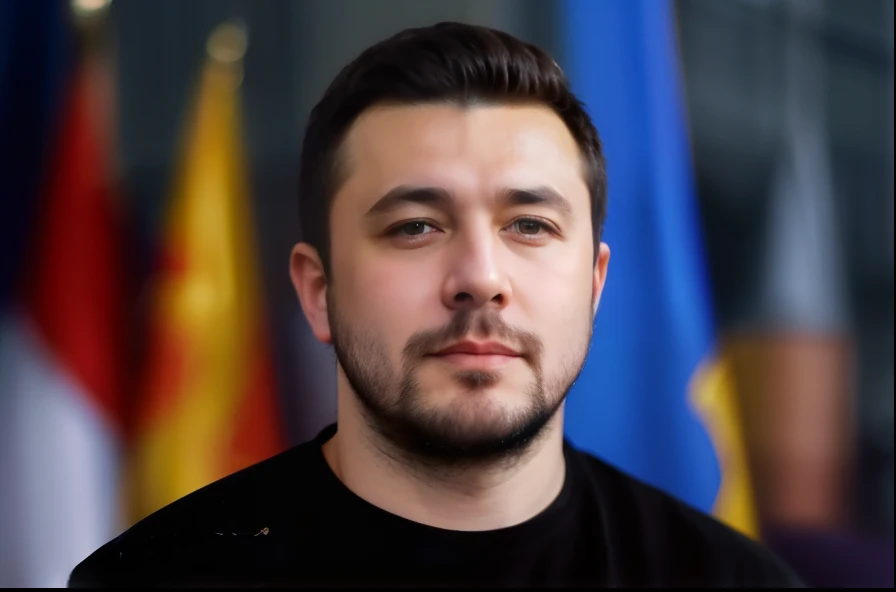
[(441, 198)]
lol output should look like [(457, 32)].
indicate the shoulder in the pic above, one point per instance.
[(212, 534), (672, 542)]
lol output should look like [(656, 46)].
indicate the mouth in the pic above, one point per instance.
[(471, 355)]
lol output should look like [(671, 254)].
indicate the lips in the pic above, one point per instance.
[(478, 357), (473, 348)]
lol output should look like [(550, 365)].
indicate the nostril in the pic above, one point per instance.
[(463, 297)]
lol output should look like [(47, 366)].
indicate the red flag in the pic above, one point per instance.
[(62, 356)]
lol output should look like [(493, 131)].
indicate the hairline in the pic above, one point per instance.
[(340, 162)]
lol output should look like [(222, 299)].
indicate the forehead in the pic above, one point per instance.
[(478, 148)]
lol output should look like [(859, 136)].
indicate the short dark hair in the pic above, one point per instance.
[(448, 62)]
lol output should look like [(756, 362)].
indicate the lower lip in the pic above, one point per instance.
[(476, 361)]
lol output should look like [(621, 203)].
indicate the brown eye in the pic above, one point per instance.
[(529, 226), (412, 231), (413, 228)]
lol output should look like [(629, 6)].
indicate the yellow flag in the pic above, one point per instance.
[(208, 405), (714, 396)]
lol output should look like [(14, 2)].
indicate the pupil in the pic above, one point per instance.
[(529, 227), (415, 227)]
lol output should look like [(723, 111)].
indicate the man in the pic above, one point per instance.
[(453, 193)]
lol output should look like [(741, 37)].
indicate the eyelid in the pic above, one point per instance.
[(547, 224), (396, 228)]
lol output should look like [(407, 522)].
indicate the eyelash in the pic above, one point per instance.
[(544, 224)]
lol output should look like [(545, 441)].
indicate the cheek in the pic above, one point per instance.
[(557, 298), (387, 297), (556, 285)]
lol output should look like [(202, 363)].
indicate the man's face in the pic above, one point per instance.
[(462, 286)]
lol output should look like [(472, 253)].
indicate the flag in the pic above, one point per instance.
[(209, 402), (656, 397), (62, 353)]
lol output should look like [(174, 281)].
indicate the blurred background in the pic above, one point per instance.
[(151, 341)]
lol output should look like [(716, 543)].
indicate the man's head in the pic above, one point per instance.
[(453, 192)]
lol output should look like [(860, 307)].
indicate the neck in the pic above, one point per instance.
[(481, 498)]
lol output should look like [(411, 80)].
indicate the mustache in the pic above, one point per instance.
[(488, 325)]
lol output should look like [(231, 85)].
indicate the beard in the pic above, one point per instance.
[(472, 430)]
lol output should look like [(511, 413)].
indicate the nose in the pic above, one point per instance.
[(476, 277)]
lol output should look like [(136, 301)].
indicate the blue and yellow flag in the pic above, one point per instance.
[(655, 398)]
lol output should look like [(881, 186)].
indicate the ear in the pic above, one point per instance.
[(600, 275), (310, 282)]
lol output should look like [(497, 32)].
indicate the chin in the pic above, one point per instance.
[(473, 394), (482, 410), (471, 430)]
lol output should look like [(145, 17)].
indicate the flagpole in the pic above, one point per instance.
[(89, 18), (226, 47)]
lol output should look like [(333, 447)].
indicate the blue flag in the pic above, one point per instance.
[(653, 398)]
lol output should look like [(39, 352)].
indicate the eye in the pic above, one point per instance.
[(532, 228), (529, 226), (413, 228), (412, 231)]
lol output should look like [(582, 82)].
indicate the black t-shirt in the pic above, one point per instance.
[(289, 521)]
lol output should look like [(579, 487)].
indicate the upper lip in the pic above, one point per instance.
[(481, 349)]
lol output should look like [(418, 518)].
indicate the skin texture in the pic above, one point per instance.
[(455, 225)]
